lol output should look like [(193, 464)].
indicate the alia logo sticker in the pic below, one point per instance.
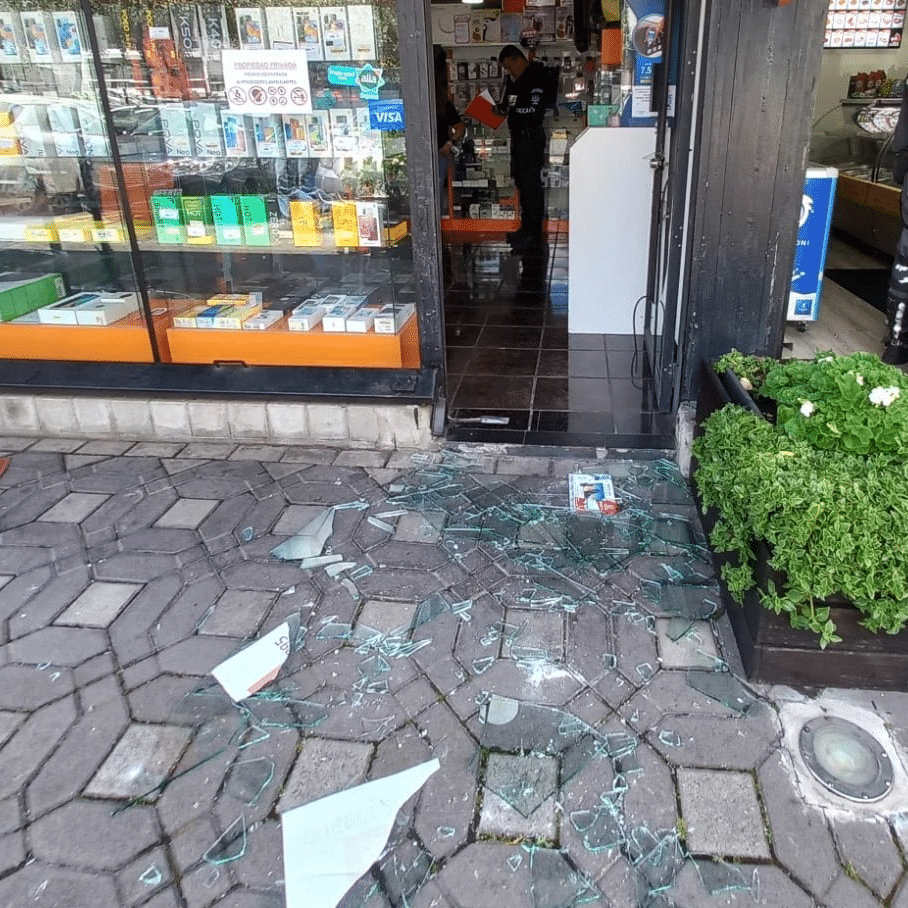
[(386, 115)]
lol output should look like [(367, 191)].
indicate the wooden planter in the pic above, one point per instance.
[(771, 650)]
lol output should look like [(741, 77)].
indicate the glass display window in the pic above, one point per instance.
[(198, 183)]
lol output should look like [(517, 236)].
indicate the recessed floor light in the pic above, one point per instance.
[(846, 759)]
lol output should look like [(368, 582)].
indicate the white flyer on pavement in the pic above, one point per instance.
[(252, 668)]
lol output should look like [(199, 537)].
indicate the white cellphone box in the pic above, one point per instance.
[(392, 318), (175, 123), (361, 320), (335, 319), (107, 309), (306, 317), (63, 312), (263, 320)]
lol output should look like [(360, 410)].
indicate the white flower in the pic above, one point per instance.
[(859, 378), (883, 396), (745, 383), (807, 408)]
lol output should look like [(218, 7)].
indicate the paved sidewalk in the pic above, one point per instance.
[(574, 676)]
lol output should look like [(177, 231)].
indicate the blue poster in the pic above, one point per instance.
[(813, 238), (646, 40)]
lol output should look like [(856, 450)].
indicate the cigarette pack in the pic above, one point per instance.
[(206, 316), (335, 318), (107, 309), (63, 312), (187, 318), (393, 317), (307, 316), (269, 136), (262, 321), (64, 127), (346, 230), (19, 296), (233, 317)]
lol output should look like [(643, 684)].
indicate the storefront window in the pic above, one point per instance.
[(233, 191)]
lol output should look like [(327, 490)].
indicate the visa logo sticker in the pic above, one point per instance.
[(386, 115)]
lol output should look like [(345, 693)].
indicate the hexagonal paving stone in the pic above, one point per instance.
[(324, 767), (386, 616), (140, 761), (519, 796), (99, 604)]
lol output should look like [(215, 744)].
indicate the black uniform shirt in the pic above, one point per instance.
[(525, 99)]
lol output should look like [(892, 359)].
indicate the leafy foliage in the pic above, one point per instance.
[(830, 503)]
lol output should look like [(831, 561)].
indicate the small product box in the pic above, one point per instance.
[(206, 316), (63, 312), (237, 141), (346, 228), (394, 233), (42, 232), (226, 216), (107, 309), (233, 318), (305, 221), (74, 228), (177, 137), (20, 296), (307, 316), (392, 318), (364, 317), (335, 318), (64, 127), (197, 218), (262, 321), (369, 226), (109, 232), (269, 136), (187, 318), (168, 217), (206, 129), (254, 215)]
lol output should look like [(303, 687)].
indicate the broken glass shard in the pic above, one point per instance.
[(247, 779), (152, 876), (310, 541), (723, 687), (229, 846), (555, 884), (718, 877)]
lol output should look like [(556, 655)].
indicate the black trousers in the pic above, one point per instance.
[(527, 160), (897, 297)]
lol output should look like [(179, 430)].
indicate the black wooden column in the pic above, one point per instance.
[(759, 68)]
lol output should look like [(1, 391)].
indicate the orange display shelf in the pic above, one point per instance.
[(280, 347), (497, 225)]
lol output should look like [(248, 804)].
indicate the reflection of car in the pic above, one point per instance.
[(140, 135)]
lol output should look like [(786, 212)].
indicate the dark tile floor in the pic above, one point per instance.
[(514, 372)]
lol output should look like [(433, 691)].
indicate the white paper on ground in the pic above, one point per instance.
[(330, 843), (252, 668)]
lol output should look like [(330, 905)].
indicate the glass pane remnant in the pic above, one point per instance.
[(247, 779), (229, 846), (723, 687)]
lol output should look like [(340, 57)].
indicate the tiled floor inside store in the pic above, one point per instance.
[(514, 372)]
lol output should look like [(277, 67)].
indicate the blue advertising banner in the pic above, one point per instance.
[(386, 115), (645, 28), (813, 239)]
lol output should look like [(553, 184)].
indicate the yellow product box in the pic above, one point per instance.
[(236, 299), (186, 319), (306, 223), (346, 226), (74, 228), (42, 233), (394, 233), (109, 232), (232, 319), (6, 118), (9, 141)]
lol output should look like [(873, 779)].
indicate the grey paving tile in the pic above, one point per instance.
[(324, 767), (848, 893), (721, 813), (514, 801), (488, 867), (154, 449), (12, 851), (141, 760), (867, 847), (362, 458), (207, 451), (237, 613), (416, 527), (9, 722), (99, 604), (386, 616), (148, 874), (684, 644), (58, 886), (187, 513), (109, 447), (263, 453), (60, 445), (57, 646), (74, 462)]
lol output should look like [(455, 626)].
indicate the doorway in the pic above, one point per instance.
[(517, 370)]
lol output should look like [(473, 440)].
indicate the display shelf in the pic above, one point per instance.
[(280, 347)]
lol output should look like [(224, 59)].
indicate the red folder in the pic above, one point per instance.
[(480, 108)]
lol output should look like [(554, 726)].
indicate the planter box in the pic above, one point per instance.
[(771, 650)]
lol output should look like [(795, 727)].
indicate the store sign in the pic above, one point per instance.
[(263, 82), (386, 115), (368, 79), (813, 236)]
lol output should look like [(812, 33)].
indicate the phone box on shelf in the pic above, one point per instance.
[(394, 233), (254, 215), (31, 139), (307, 316), (269, 136), (361, 320), (168, 218), (346, 230), (232, 319), (263, 320), (226, 216), (237, 140), (369, 226), (305, 219), (63, 312), (197, 218), (110, 307), (335, 318), (177, 137), (64, 127), (206, 129), (20, 295), (393, 317)]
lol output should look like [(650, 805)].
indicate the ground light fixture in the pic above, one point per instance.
[(845, 759)]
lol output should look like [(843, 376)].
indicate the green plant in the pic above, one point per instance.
[(831, 505)]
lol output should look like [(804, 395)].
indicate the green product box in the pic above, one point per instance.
[(168, 218), (19, 296), (197, 218), (255, 220), (226, 216)]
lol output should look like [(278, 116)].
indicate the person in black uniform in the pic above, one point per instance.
[(896, 352), (524, 105), (448, 123)]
